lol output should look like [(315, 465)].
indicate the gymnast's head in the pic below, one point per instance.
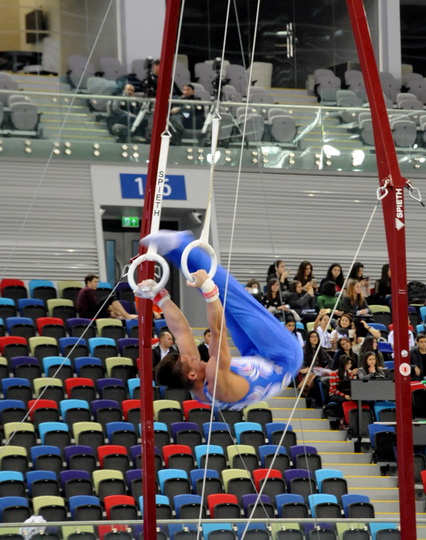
[(180, 371)]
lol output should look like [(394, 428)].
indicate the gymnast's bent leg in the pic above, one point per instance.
[(254, 330)]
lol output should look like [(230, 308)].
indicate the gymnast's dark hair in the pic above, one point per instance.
[(170, 372)]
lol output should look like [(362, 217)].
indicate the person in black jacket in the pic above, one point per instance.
[(204, 347), (418, 358), (184, 116)]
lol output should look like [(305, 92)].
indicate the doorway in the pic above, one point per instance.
[(121, 246)]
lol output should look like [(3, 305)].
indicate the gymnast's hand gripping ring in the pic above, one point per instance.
[(164, 278), (184, 260)]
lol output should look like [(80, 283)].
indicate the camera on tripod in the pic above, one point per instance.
[(149, 84), (216, 83)]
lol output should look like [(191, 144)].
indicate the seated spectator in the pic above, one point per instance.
[(335, 274), (382, 288), (321, 367), (321, 324), (418, 358), (340, 382), (327, 298), (369, 368), (370, 344), (357, 274), (278, 270), (354, 303), (411, 340), (305, 276), (123, 117), (189, 116), (273, 300), (89, 307), (204, 347), (253, 287), (346, 328), (164, 346), (344, 348), (299, 300), (291, 325)]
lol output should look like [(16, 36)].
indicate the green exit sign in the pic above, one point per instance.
[(128, 221)]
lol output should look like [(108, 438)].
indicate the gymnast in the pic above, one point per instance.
[(271, 355)]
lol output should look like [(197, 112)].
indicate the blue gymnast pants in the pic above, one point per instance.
[(254, 330)]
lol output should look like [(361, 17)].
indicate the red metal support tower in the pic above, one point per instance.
[(394, 218), (146, 270)]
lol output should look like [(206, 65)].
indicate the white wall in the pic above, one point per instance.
[(141, 29)]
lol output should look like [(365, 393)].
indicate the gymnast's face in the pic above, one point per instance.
[(191, 365)]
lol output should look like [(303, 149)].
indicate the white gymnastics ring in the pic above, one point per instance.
[(149, 257), (185, 255)]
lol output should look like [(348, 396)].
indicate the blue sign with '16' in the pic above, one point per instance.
[(133, 186)]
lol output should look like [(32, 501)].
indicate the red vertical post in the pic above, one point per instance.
[(146, 270), (394, 217)]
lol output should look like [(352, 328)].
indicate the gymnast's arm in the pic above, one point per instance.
[(180, 329), (230, 387)]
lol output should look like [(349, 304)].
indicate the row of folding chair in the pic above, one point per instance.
[(34, 320), (40, 346), (60, 367), (45, 290), (69, 411), (86, 389), (54, 458)]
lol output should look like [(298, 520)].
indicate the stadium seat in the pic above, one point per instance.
[(43, 346), (105, 411), (74, 410), (32, 308), (80, 327), (42, 289), (89, 367), (20, 326), (42, 483), (51, 327), (274, 455), (85, 508), (76, 482), (108, 482), (80, 457), (211, 456), (46, 458)]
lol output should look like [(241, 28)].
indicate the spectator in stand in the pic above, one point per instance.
[(344, 348), (204, 347), (354, 303), (278, 270), (299, 301), (382, 288), (370, 344), (418, 358), (335, 274), (328, 299), (305, 276), (163, 348), (340, 382), (253, 287), (411, 340), (320, 368), (88, 305), (346, 328), (273, 300), (357, 274), (291, 325), (321, 324), (190, 116), (369, 368)]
